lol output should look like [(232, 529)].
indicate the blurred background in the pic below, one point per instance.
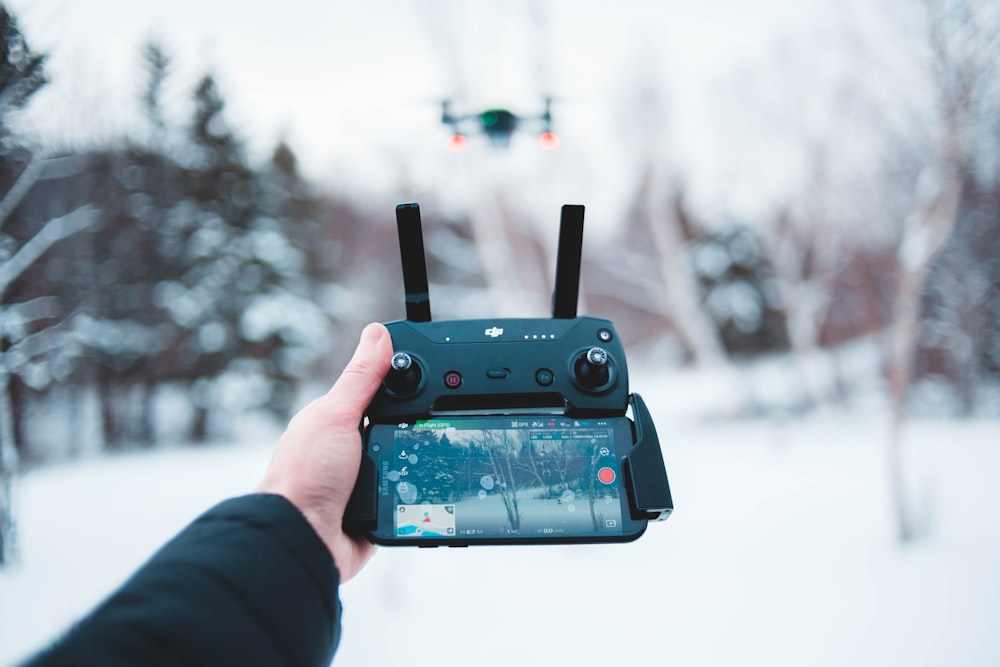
[(793, 219)]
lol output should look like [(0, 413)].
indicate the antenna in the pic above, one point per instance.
[(411, 251), (567, 287)]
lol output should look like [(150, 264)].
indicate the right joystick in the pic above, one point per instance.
[(404, 375), (591, 368)]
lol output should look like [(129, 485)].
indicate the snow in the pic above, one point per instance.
[(781, 550)]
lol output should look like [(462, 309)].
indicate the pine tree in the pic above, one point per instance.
[(225, 265), (156, 63), (295, 233), (22, 71)]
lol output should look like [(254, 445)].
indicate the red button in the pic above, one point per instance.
[(453, 379), (606, 475)]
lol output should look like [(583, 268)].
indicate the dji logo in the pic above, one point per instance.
[(494, 332)]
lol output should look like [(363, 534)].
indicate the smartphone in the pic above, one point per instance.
[(502, 480)]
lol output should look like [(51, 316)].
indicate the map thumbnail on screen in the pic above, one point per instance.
[(425, 520)]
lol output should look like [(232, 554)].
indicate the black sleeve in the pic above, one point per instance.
[(248, 583)]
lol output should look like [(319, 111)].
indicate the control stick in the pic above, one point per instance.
[(404, 375), (591, 368)]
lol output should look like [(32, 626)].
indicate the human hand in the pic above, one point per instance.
[(315, 464)]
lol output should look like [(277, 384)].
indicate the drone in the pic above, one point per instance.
[(498, 125)]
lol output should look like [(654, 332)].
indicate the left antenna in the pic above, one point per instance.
[(411, 251)]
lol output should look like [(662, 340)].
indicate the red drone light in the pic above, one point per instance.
[(457, 142), (549, 141)]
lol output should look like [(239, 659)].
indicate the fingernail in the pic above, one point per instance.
[(372, 333)]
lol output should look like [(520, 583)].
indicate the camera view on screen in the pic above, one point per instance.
[(501, 477)]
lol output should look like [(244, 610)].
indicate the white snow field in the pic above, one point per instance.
[(782, 551)]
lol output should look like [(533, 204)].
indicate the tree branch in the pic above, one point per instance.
[(27, 178), (54, 230)]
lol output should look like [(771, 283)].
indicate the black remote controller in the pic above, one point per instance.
[(567, 365)]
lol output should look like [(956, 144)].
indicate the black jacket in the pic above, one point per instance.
[(248, 583)]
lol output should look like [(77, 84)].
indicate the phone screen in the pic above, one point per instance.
[(502, 479)]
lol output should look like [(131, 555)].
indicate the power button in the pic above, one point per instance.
[(453, 379)]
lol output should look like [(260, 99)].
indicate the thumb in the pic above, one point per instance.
[(362, 376)]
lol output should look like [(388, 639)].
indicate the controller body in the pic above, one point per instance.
[(564, 367), (503, 366)]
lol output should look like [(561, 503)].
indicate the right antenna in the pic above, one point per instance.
[(567, 288)]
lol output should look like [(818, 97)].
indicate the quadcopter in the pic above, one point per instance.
[(498, 125)]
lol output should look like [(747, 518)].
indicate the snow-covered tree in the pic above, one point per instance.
[(956, 55), (21, 75)]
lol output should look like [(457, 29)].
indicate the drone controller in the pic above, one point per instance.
[(556, 387)]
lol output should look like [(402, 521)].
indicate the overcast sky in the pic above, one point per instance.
[(355, 87)]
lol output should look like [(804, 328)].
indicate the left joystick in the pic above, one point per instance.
[(404, 375)]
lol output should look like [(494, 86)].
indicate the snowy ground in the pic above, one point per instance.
[(781, 552)]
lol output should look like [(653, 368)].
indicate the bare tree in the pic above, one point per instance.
[(659, 216), (22, 73), (807, 240), (962, 48), (492, 243), (502, 449), (10, 269)]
